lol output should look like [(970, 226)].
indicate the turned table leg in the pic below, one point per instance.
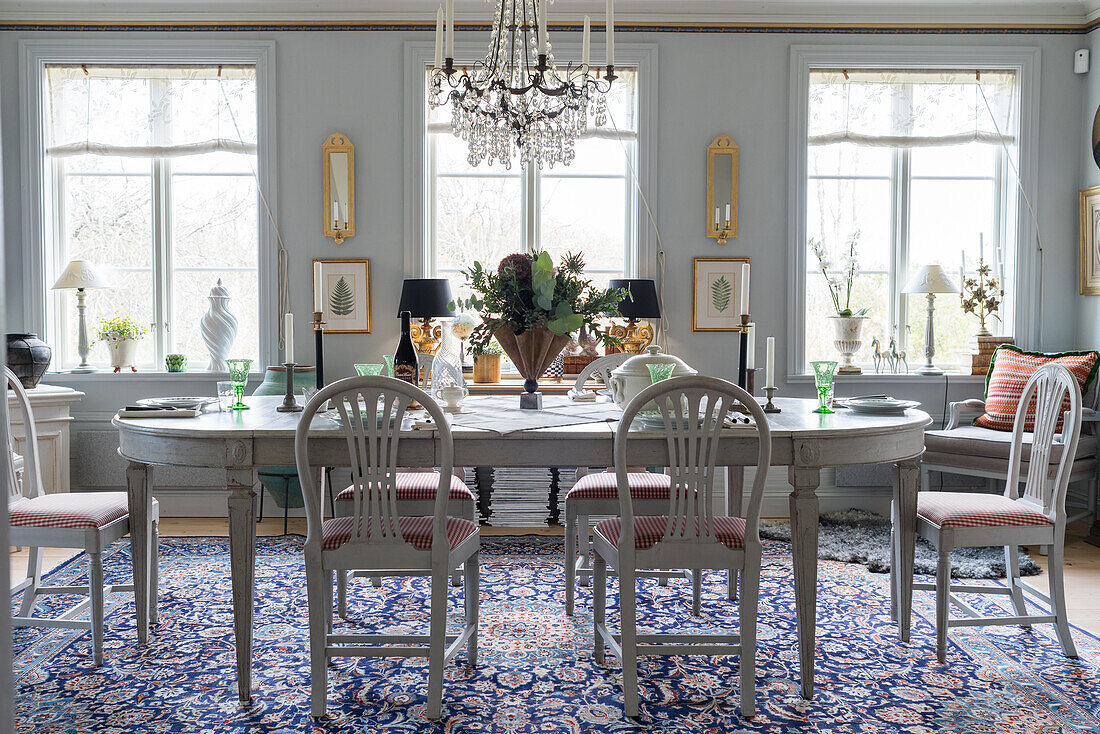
[(483, 480), (242, 554), (554, 517), (140, 504), (904, 538), (804, 516)]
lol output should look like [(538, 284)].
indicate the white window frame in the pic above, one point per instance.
[(1024, 61), (39, 229), (640, 261)]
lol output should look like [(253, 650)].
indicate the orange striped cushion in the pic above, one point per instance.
[(1009, 372)]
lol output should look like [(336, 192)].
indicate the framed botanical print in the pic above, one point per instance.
[(345, 288), (1089, 200), (716, 285)]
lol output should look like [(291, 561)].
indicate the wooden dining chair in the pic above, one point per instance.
[(375, 537), (1035, 516), (597, 494), (687, 534), (87, 520)]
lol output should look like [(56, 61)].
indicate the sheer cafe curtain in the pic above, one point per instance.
[(912, 109), (150, 112)]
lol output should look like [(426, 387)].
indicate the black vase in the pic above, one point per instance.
[(28, 357)]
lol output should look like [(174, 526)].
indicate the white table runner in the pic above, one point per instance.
[(501, 413)]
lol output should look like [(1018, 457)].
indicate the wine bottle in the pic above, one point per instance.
[(406, 366)]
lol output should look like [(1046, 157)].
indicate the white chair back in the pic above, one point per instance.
[(32, 473), (373, 436), (601, 368), (1055, 395), (694, 410)]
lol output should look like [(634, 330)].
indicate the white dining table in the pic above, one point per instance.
[(240, 441)]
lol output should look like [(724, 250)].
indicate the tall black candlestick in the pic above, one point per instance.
[(319, 337)]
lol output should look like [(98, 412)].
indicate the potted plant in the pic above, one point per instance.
[(121, 335), (487, 363), (532, 308), (847, 323)]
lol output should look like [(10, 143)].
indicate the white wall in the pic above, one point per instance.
[(708, 84), (1088, 307)]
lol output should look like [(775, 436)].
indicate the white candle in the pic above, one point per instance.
[(318, 295), (335, 215), (439, 38), (450, 29), (346, 220), (288, 332), (717, 218), (981, 246), (544, 40), (769, 365), (610, 32), (750, 351), (962, 269), (586, 42), (727, 213), (745, 288)]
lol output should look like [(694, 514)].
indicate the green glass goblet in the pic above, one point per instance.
[(369, 370), (238, 375), (658, 372), (389, 365), (823, 378)]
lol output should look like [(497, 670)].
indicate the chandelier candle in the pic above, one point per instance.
[(517, 99)]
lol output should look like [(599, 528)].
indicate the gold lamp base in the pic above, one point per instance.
[(635, 337), (426, 336)]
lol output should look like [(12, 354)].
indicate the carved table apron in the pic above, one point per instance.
[(804, 442)]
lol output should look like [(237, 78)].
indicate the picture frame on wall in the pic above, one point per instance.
[(716, 293), (1089, 205), (346, 285)]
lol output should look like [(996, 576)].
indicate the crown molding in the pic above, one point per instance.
[(977, 15)]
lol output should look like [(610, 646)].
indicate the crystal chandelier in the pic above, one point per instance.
[(517, 97)]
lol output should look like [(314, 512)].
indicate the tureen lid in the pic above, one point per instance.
[(636, 365)]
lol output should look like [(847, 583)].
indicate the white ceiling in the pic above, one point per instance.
[(795, 12)]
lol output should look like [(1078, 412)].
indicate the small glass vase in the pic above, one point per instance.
[(369, 370), (823, 378), (238, 375)]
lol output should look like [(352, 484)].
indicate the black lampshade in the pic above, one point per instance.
[(426, 298), (642, 302)]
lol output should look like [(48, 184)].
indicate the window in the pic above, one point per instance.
[(917, 167), (150, 171), (487, 212)]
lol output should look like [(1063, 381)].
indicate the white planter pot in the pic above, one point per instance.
[(121, 351), (848, 338)]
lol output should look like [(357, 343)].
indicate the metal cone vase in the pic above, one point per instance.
[(532, 352)]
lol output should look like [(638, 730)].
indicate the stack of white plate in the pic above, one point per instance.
[(179, 403), (880, 406)]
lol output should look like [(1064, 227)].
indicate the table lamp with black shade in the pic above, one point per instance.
[(426, 299), (640, 303)]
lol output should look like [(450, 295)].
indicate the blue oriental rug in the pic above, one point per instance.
[(536, 672)]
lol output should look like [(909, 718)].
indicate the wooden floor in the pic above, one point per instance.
[(1082, 567)]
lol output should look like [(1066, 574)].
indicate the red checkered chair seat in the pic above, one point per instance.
[(650, 529), (419, 486), (975, 510), (417, 531), (604, 486), (78, 510)]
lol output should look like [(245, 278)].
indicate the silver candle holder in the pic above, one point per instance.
[(290, 405), (771, 407)]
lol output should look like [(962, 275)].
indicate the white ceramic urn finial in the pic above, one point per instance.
[(219, 328)]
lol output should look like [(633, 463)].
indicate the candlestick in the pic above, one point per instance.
[(586, 43), (439, 38), (769, 364), (290, 405), (450, 29), (742, 357), (319, 342), (750, 359), (318, 292), (288, 333), (744, 293), (771, 407)]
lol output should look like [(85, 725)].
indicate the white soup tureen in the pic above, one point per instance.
[(632, 376)]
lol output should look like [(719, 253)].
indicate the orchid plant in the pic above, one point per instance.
[(840, 278)]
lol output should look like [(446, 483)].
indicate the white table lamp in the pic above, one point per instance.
[(930, 280), (80, 275)]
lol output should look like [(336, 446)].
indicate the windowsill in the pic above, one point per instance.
[(870, 377), (141, 375)]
